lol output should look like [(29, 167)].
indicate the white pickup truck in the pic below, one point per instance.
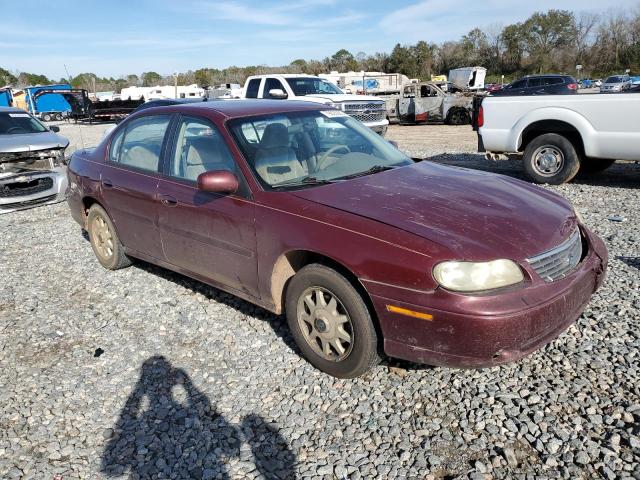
[(369, 110), (558, 135)]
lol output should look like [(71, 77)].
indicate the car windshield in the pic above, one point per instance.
[(310, 86), (614, 80), (298, 149), (14, 123)]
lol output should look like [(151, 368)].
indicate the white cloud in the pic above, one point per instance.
[(438, 21)]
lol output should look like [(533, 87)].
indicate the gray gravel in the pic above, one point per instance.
[(145, 373)]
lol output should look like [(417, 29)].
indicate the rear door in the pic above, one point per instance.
[(129, 182), (209, 234)]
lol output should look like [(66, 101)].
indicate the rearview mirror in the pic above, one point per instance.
[(277, 93), (54, 128), (218, 181)]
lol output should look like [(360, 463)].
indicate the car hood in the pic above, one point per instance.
[(476, 215), (342, 98), (31, 141)]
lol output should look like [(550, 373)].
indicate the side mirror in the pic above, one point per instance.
[(218, 181), (277, 93), (54, 128)]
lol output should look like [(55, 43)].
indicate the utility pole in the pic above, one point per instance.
[(175, 84)]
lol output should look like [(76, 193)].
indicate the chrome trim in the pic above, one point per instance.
[(558, 262)]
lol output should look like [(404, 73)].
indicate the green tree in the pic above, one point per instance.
[(149, 79), (7, 78), (545, 34), (343, 61)]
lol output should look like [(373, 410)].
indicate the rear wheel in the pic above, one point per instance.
[(552, 159), (458, 116), (46, 117), (104, 240), (331, 323), (595, 165)]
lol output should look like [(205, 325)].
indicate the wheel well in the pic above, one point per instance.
[(87, 203), (291, 262), (552, 126)]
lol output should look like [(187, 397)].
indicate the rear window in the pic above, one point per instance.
[(252, 88)]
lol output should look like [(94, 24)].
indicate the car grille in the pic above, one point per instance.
[(27, 203), (559, 261), (22, 189), (366, 112)]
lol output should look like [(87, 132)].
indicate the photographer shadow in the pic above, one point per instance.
[(170, 429)]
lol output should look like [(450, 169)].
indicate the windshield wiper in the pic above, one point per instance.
[(302, 181), (372, 170)]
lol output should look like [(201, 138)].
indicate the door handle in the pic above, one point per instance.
[(168, 200), (107, 183)]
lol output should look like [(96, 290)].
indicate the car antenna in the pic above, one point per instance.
[(76, 120)]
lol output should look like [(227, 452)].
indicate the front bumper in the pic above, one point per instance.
[(379, 127), (27, 190), (474, 340)]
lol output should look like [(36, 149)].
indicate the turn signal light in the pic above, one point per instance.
[(409, 313)]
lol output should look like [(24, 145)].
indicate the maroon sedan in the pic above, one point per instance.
[(299, 208)]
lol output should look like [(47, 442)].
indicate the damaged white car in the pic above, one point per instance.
[(32, 166)]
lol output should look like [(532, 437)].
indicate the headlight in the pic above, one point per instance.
[(477, 276)]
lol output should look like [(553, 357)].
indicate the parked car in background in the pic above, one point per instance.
[(540, 85), (635, 81), (597, 83), (299, 208), (559, 136), (32, 169), (585, 83), (494, 87), (426, 102), (616, 83), (368, 109)]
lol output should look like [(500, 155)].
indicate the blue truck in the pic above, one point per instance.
[(6, 99), (48, 102)]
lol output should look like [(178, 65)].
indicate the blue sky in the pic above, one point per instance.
[(166, 36)]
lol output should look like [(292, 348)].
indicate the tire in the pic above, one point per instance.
[(457, 116), (58, 116), (46, 117), (318, 286), (104, 240), (552, 159), (595, 165)]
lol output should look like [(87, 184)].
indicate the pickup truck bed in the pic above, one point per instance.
[(559, 134)]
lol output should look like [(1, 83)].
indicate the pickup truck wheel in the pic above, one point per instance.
[(458, 116), (552, 159), (331, 323), (104, 240), (595, 165)]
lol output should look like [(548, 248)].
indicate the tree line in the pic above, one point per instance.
[(547, 42)]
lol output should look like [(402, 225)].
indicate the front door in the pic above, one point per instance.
[(129, 181), (209, 234)]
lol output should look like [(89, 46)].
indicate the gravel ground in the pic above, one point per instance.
[(145, 373)]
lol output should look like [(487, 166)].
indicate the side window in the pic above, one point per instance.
[(536, 82), (519, 84), (553, 81), (142, 142), (199, 148), (114, 148), (252, 88), (272, 84)]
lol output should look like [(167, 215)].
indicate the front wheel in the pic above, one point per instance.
[(552, 159), (331, 323), (104, 240)]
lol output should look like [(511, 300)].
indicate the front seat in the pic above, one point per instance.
[(203, 155), (276, 161)]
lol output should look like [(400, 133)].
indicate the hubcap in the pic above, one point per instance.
[(547, 161), (325, 324), (103, 239)]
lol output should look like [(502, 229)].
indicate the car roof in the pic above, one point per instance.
[(543, 75), (285, 75), (246, 108)]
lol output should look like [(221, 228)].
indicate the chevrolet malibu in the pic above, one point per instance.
[(300, 209)]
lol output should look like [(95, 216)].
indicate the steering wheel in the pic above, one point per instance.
[(19, 129), (326, 154)]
